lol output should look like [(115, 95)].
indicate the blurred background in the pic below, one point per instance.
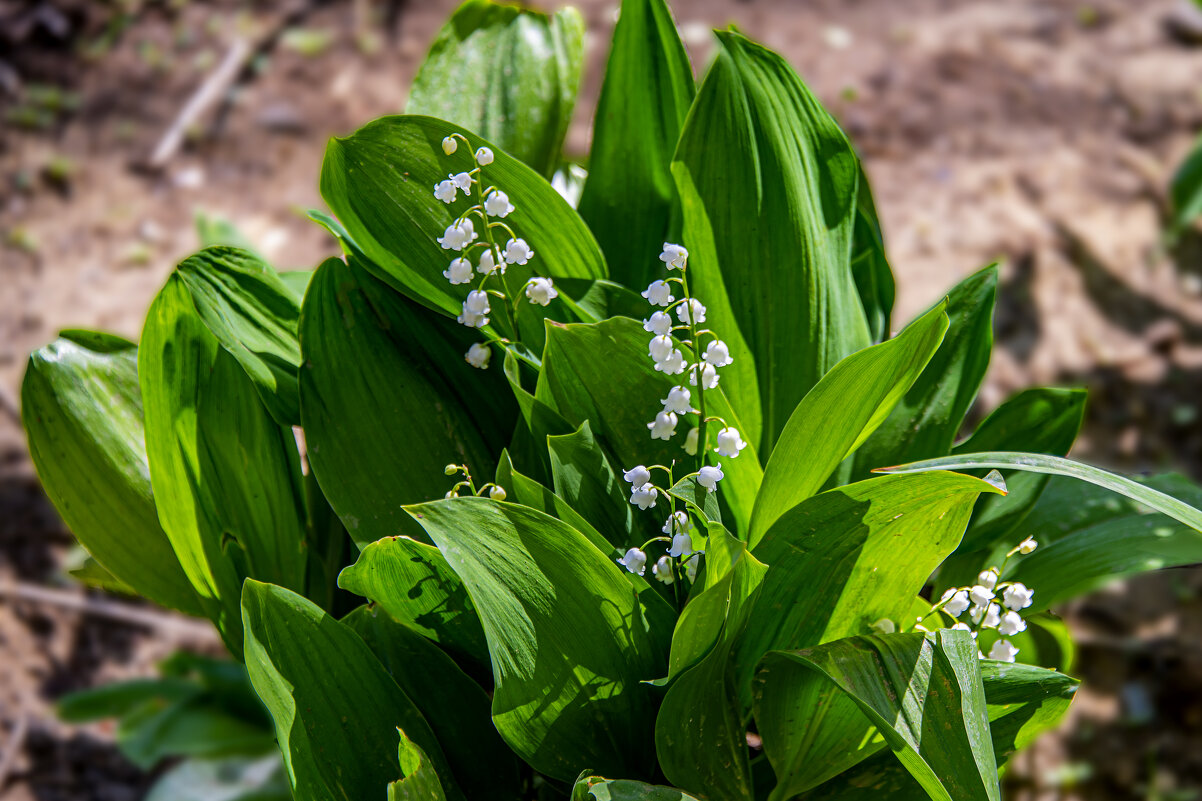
[(1041, 133)]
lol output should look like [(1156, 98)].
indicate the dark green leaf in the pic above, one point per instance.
[(586, 480), (419, 781), (595, 788)]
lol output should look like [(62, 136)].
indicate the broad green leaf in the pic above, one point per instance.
[(927, 418), (777, 181), (456, 707), (840, 413), (413, 583), (82, 412), (508, 73), (586, 480), (193, 726), (698, 498), (921, 693), (1185, 193), (226, 476), (646, 93), (419, 780), (570, 642), (1053, 465), (595, 788), (223, 779), (380, 181), (870, 266), (253, 314), (336, 709), (619, 400), (388, 400)]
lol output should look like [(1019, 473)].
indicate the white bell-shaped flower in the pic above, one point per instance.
[(449, 145), (956, 602), (451, 494), (638, 476), (644, 496), (497, 493), (541, 291), (709, 376), (660, 348), (682, 545), (497, 204), (663, 427), (675, 256), (659, 323), (717, 354), (517, 251), (709, 476), (488, 263), (662, 570), (1003, 651), (658, 293), (462, 180), (460, 271), (673, 365), (445, 191), (1027, 546), (980, 595), (458, 236), (1017, 596), (690, 566), (695, 306), (690, 441), (478, 355), (993, 616), (1011, 623), (677, 523), (988, 578), (475, 309), (679, 400), (484, 157), (730, 442), (635, 561)]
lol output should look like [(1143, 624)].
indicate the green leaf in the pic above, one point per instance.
[(595, 788), (388, 400), (336, 709), (870, 266), (419, 781), (87, 571), (120, 698), (510, 74), (570, 642), (646, 93), (926, 420), (777, 181), (921, 693), (840, 413), (226, 476), (253, 314), (82, 412), (1185, 192), (192, 726), (585, 479), (415, 585), (380, 182)]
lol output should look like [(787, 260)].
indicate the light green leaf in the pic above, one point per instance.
[(388, 400), (777, 181), (419, 781), (336, 709), (508, 73), (870, 266), (840, 413), (82, 412), (595, 788), (646, 93), (921, 693), (570, 642)]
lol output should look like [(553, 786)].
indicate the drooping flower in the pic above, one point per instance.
[(989, 617), (709, 376), (730, 442), (662, 570), (449, 145), (658, 293), (690, 441), (644, 496), (709, 476), (460, 271), (673, 365), (660, 348), (541, 291), (451, 494), (697, 308), (475, 309), (462, 180), (677, 523), (988, 578), (484, 157), (658, 323), (635, 561), (488, 263), (690, 566), (497, 204), (1027, 546), (1003, 651), (955, 602), (1012, 623), (682, 545), (663, 427), (675, 256), (497, 493), (478, 355), (717, 354), (458, 236), (638, 476), (1017, 596), (679, 400), (517, 251), (980, 595), (445, 191)]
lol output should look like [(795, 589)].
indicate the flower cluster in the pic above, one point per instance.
[(495, 491), (992, 604), (490, 207)]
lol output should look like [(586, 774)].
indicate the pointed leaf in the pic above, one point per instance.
[(586, 480), (419, 781)]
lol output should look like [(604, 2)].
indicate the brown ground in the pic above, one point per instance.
[(1040, 132)]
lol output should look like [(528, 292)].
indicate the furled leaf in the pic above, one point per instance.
[(870, 266), (646, 93), (570, 642), (82, 412), (336, 709), (508, 73), (840, 413), (777, 182), (921, 693), (388, 400), (595, 788), (419, 780)]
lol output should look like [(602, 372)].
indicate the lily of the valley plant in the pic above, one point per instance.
[(603, 480)]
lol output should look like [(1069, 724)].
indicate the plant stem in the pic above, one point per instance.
[(695, 346)]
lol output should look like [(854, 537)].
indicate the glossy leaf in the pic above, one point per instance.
[(921, 693), (336, 709), (388, 400), (419, 780), (777, 181), (509, 74), (870, 265), (570, 643), (840, 413), (588, 483), (646, 93), (82, 412)]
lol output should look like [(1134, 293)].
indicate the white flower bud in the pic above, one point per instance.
[(663, 427), (884, 626), (488, 263), (660, 348), (690, 566), (497, 204), (635, 561), (449, 145), (478, 356), (1011, 623), (497, 493), (1003, 651), (459, 236), (988, 578), (662, 570), (484, 157), (730, 442), (717, 354), (690, 441), (1027, 546)]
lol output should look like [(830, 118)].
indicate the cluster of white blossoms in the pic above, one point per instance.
[(494, 491), (992, 604), (490, 207)]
